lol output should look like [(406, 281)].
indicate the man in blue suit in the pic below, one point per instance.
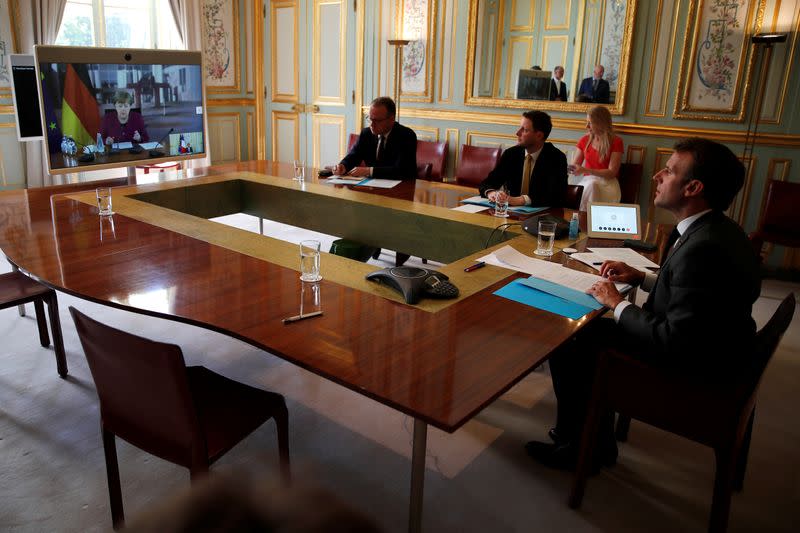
[(596, 87)]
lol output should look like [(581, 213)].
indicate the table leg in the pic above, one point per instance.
[(20, 307), (417, 475)]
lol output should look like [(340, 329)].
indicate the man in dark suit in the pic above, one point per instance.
[(697, 317), (558, 89), (596, 87), (387, 148), (534, 172)]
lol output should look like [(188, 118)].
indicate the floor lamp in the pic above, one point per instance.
[(398, 68), (760, 41)]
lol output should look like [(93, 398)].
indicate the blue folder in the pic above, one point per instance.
[(525, 294), (523, 209)]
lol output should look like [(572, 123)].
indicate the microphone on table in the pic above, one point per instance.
[(155, 152), (86, 157)]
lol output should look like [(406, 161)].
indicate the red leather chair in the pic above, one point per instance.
[(434, 153), (717, 415), (475, 163), (779, 222), (17, 289), (188, 416), (351, 141)]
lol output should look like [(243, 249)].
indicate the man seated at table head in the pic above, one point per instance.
[(697, 317), (387, 148), (596, 87), (534, 172)]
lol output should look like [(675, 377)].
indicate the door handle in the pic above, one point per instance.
[(313, 108), (305, 108)]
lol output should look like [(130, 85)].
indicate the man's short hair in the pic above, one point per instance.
[(717, 167), (386, 102), (541, 121)]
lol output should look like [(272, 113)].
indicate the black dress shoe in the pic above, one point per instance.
[(565, 456), (556, 437)]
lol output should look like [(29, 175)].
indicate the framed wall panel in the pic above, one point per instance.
[(554, 51), (661, 58), (480, 138), (328, 139), (452, 136), (556, 16), (417, 22), (636, 154), (285, 136), (786, 17), (715, 75), (522, 12), (284, 30), (446, 50), (520, 51), (223, 126), (221, 46), (425, 133), (330, 27)]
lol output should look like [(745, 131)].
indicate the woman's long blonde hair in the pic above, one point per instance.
[(601, 120)]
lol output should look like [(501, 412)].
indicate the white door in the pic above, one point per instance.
[(311, 57)]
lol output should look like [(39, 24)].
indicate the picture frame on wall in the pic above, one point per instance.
[(221, 45), (717, 59), (417, 23)]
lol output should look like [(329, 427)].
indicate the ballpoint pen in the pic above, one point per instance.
[(476, 266), (301, 317)]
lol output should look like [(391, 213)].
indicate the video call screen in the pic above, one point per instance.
[(137, 110), (614, 219)]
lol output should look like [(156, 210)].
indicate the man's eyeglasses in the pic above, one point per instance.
[(377, 120)]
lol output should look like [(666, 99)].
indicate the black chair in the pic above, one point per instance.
[(188, 416), (719, 415), (572, 197), (17, 289)]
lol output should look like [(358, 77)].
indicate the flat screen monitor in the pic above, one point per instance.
[(115, 107), (25, 97), (613, 221), (533, 84)]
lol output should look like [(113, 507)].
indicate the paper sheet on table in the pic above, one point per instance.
[(151, 145), (122, 146), (508, 257), (339, 180), (477, 200), (470, 208), (379, 183), (626, 255)]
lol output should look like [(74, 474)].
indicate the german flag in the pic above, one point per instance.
[(80, 118)]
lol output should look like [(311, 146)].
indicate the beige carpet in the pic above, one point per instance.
[(52, 474)]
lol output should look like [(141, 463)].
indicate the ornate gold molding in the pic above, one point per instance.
[(276, 97), (237, 49), (290, 117), (259, 87), (237, 116), (433, 131), (633, 150), (230, 102), (430, 39)]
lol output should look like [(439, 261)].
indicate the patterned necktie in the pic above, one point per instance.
[(527, 168), (381, 148)]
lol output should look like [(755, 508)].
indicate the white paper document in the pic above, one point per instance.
[(380, 183), (508, 257), (151, 145), (339, 180), (122, 146), (470, 208), (626, 255)]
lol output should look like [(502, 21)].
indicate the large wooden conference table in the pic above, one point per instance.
[(440, 362)]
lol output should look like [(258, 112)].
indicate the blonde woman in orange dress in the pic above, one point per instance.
[(598, 158)]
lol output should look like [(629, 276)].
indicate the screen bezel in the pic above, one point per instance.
[(120, 56), (612, 235)]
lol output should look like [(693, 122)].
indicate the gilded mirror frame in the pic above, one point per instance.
[(617, 108)]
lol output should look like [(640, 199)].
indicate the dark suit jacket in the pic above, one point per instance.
[(548, 184), (698, 314), (399, 156), (558, 95), (603, 93)]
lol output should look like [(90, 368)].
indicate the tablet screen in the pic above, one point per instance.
[(613, 221)]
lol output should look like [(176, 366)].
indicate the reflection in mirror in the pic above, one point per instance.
[(540, 53)]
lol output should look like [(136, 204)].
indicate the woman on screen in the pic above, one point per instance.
[(598, 158), (122, 124)]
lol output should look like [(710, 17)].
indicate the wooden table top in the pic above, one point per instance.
[(441, 365)]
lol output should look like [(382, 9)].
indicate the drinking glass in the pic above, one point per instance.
[(299, 170), (309, 261), (104, 201), (546, 238), (501, 203)]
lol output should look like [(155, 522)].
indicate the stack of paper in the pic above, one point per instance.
[(485, 202), (595, 257)]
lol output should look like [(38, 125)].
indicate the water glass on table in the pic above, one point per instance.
[(545, 238), (309, 261), (501, 203), (104, 201), (299, 170)]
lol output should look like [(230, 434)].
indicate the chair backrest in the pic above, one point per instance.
[(572, 197), (475, 163), (434, 153), (779, 222), (630, 180), (143, 389), (424, 171), (770, 335), (351, 141)]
